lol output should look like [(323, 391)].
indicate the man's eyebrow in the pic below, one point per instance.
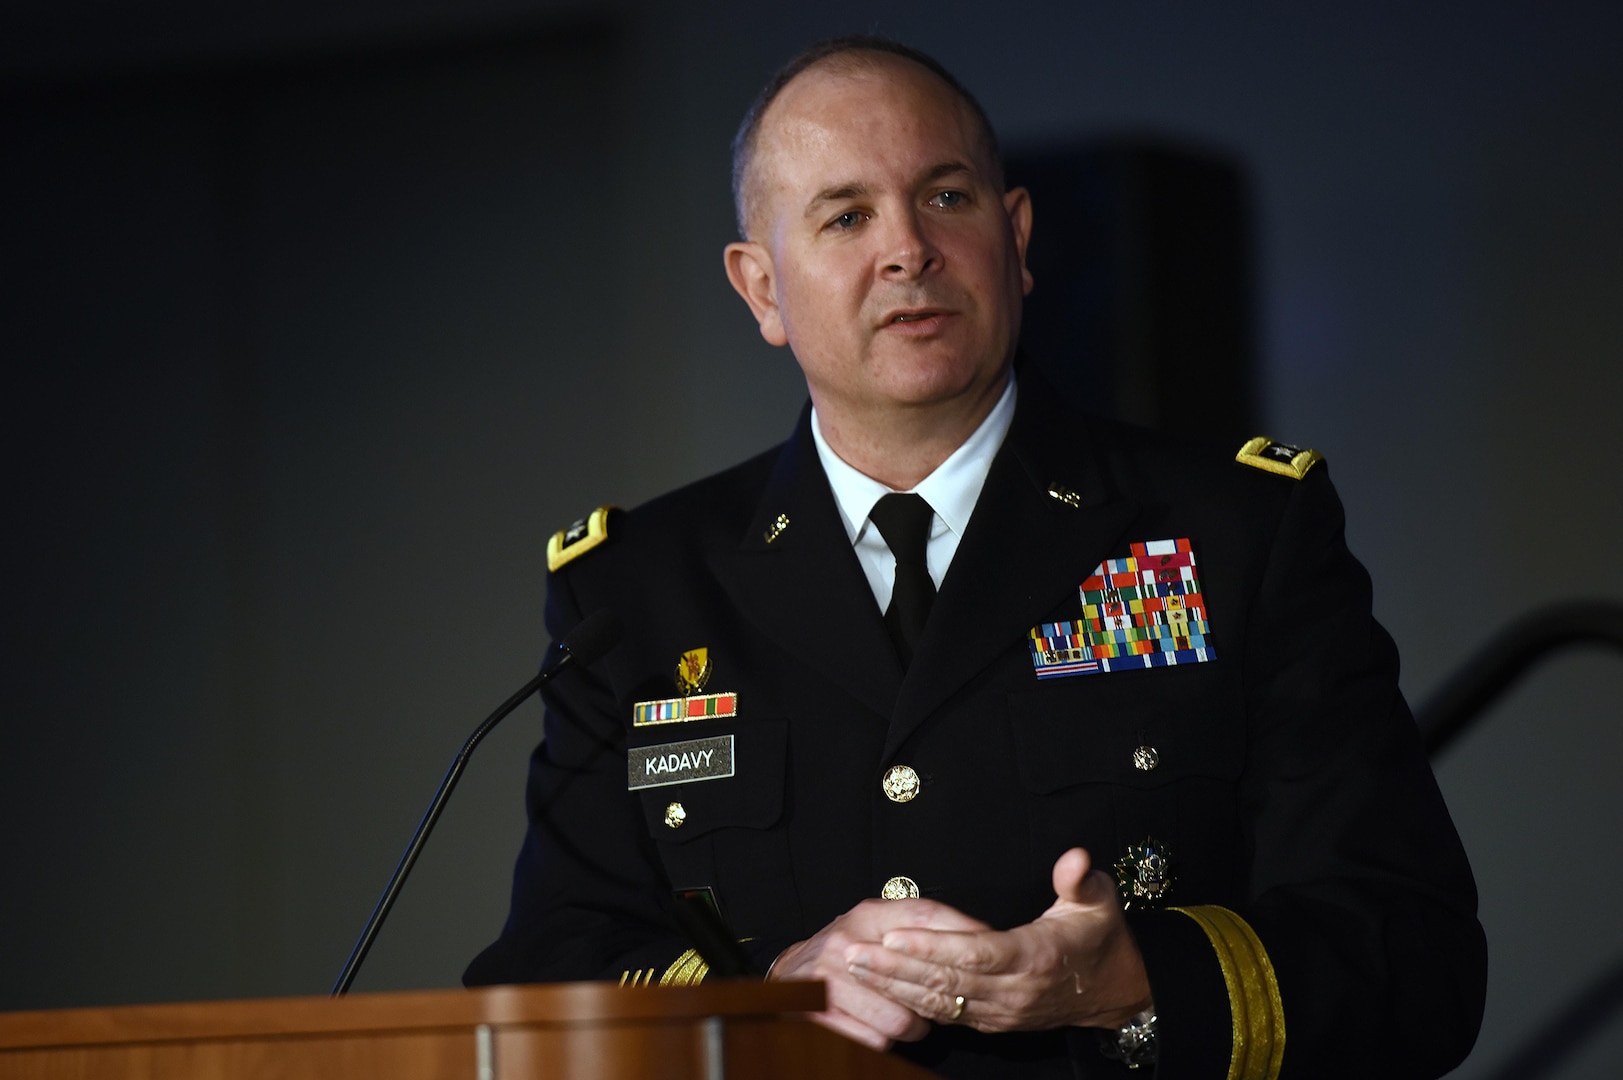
[(855, 189), (836, 193), (946, 168)]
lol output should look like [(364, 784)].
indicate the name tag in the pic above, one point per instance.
[(679, 762)]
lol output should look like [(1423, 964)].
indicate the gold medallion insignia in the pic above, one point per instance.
[(1144, 875)]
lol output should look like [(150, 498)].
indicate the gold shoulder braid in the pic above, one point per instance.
[(1277, 457), (581, 537)]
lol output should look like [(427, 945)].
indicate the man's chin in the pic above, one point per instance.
[(930, 385)]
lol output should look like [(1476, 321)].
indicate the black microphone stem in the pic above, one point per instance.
[(386, 901)]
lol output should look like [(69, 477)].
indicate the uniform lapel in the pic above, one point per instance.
[(805, 588), (1022, 553)]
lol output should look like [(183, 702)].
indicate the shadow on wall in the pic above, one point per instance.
[(1145, 307)]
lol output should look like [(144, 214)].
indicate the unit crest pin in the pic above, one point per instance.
[(693, 671)]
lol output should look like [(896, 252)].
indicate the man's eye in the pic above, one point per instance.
[(948, 200), (848, 220)]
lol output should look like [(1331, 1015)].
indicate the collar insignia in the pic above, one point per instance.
[(1060, 493)]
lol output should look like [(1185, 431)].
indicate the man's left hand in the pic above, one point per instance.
[(1076, 964)]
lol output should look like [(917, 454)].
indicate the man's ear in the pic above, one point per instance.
[(1017, 204), (749, 268)]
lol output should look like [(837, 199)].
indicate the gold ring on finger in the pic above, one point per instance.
[(958, 1004)]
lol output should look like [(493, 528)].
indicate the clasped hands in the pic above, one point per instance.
[(893, 967)]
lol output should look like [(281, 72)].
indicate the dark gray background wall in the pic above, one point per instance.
[(318, 319)]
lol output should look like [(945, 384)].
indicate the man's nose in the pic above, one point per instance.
[(908, 251)]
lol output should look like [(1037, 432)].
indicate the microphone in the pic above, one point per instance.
[(587, 642)]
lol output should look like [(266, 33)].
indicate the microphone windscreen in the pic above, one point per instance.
[(593, 636)]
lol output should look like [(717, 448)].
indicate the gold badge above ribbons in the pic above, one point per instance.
[(693, 671)]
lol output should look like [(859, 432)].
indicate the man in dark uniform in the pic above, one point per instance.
[(1052, 745)]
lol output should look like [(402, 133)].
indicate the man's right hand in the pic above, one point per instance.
[(854, 1010)]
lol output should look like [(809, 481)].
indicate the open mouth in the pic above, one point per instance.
[(914, 316)]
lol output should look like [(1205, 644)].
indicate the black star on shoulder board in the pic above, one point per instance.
[(1280, 458), (581, 536)]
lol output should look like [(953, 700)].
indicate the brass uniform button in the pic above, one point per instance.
[(901, 784), (900, 888), (675, 815), (1146, 758)]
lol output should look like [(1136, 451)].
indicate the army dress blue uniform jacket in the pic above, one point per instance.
[(1321, 916)]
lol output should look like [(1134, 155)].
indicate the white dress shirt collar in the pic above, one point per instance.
[(951, 490)]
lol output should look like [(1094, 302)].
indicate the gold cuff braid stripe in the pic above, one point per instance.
[(1254, 1001), (688, 970)]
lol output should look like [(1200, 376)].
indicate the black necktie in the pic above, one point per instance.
[(904, 522)]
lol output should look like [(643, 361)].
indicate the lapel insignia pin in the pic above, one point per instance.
[(1144, 875), (1277, 457), (775, 530), (1060, 493), (693, 670), (1145, 610)]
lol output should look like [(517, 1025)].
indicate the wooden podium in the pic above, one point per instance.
[(579, 1031)]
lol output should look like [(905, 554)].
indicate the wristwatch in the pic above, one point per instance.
[(1134, 1043)]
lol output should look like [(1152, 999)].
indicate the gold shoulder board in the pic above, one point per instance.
[(1277, 457), (579, 538)]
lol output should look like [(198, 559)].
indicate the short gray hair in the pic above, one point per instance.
[(846, 47)]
